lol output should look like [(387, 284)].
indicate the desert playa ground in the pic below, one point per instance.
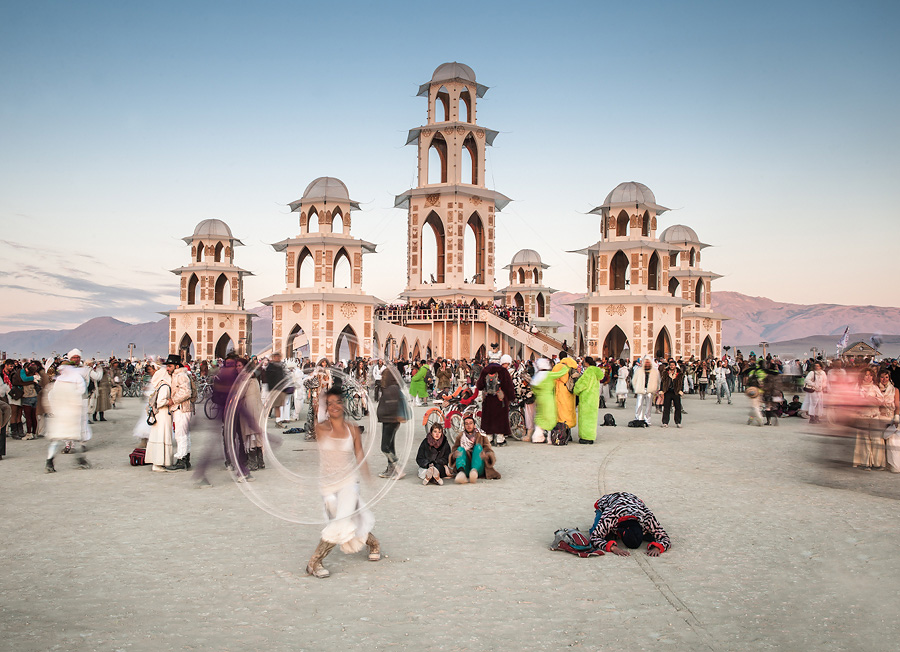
[(774, 548)]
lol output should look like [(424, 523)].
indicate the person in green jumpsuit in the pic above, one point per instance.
[(543, 385), (587, 389), (417, 387)]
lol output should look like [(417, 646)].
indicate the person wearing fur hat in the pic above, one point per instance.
[(181, 409), (472, 455), (497, 386), (624, 516), (69, 410), (645, 383)]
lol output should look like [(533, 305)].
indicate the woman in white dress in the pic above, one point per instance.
[(622, 383), (341, 460), (817, 381), (69, 416), (160, 450)]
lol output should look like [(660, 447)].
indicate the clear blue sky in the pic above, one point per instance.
[(770, 126)]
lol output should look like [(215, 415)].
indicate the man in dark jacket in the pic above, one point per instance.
[(274, 374), (497, 388)]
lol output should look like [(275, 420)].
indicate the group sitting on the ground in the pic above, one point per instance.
[(470, 457)]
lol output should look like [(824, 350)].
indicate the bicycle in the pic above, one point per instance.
[(211, 409)]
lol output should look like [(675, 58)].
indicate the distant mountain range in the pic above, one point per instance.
[(792, 328)]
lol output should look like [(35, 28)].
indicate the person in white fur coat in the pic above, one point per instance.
[(69, 415)]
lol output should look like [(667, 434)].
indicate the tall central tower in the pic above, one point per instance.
[(450, 200)]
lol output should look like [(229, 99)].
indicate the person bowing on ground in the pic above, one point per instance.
[(624, 516)]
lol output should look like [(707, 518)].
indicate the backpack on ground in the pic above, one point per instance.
[(560, 435), (137, 457), (638, 423), (609, 420), (492, 383), (575, 542)]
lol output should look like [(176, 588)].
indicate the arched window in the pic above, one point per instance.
[(519, 301), (622, 224), (673, 259), (698, 293), (474, 253), (192, 290), (306, 269), (342, 269), (224, 346), (337, 221), (540, 304), (521, 276), (693, 258), (312, 221), (465, 105), (535, 276), (663, 348), (673, 286), (653, 272), (469, 163), (618, 271), (645, 224), (186, 348), (442, 105), (297, 343), (200, 252), (218, 252), (347, 345), (437, 160), (615, 343), (433, 248), (222, 290)]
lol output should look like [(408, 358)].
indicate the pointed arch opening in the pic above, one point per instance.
[(673, 286), (193, 282), (297, 343), (224, 346), (437, 160), (582, 345), (222, 290), (518, 300), (707, 351), (699, 294), (615, 344), (673, 259), (404, 349), (622, 224), (342, 271), (469, 163), (474, 252), (433, 246), (541, 306), (416, 353), (645, 224), (200, 251), (521, 275), (442, 105), (465, 105), (312, 221), (347, 345), (186, 348), (653, 272), (663, 347), (306, 269), (535, 276), (481, 353), (693, 257), (337, 221), (618, 271), (218, 252)]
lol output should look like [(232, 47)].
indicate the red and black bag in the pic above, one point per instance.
[(137, 457)]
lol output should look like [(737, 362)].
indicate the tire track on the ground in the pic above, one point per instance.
[(671, 597)]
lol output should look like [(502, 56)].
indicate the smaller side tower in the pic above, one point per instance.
[(527, 291)]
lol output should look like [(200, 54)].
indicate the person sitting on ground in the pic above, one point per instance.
[(793, 408), (624, 516), (472, 456), (433, 456)]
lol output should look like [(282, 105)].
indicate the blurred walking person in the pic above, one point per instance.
[(69, 417)]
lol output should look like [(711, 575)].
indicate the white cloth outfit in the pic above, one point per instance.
[(182, 411), (722, 388), (69, 420), (297, 378), (142, 428), (645, 385), (159, 447), (349, 523), (622, 383), (818, 381)]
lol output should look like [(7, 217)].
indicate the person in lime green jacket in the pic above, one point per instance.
[(587, 389), (417, 387), (543, 384)]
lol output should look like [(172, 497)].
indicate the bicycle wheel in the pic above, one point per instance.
[(456, 424), (517, 425), (211, 410)]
